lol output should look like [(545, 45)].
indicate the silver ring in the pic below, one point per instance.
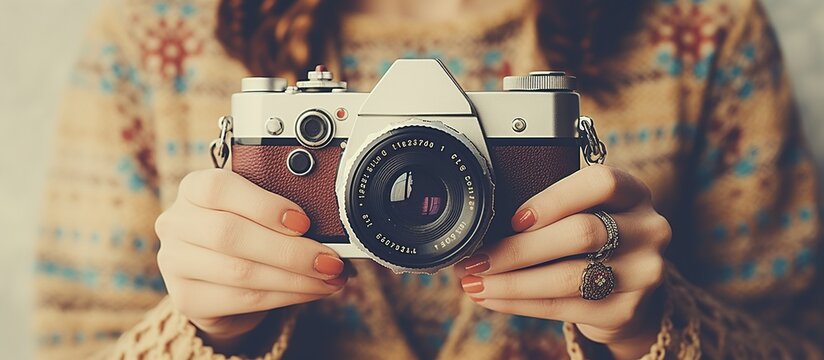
[(598, 280), (612, 238)]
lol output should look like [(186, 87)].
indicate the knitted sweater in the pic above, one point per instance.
[(703, 115)]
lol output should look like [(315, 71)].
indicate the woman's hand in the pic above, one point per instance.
[(231, 250), (530, 273)]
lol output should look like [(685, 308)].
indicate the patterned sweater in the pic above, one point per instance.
[(703, 115)]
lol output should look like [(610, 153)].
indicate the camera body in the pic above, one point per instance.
[(415, 174)]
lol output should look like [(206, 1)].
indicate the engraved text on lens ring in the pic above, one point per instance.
[(395, 246), (470, 204)]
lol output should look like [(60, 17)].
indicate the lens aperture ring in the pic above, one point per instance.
[(413, 159)]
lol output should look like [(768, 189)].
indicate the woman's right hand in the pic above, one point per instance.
[(231, 250)]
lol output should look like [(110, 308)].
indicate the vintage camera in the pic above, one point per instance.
[(415, 174)]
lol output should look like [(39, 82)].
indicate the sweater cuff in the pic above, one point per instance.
[(677, 338), (166, 333)]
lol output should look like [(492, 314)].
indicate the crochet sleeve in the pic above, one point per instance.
[(166, 333), (748, 238), (96, 273)]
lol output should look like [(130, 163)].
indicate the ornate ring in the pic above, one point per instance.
[(612, 238), (597, 282)]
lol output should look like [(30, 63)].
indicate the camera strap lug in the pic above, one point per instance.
[(594, 150), (219, 149)]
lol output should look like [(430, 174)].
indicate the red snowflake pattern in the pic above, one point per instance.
[(166, 46), (690, 30)]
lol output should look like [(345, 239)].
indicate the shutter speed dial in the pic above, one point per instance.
[(263, 84), (540, 81)]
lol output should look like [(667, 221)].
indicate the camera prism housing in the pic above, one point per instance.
[(415, 174)]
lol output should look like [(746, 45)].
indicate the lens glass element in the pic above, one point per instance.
[(416, 197)]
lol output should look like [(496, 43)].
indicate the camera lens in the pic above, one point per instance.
[(418, 197), (314, 129)]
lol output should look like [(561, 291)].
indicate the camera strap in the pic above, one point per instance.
[(594, 150)]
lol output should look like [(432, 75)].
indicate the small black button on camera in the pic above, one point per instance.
[(300, 162)]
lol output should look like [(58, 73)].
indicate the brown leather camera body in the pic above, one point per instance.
[(522, 168)]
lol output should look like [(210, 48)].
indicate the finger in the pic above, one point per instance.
[(239, 237), (605, 313), (181, 259), (199, 299), (563, 279), (594, 186), (223, 190), (576, 234)]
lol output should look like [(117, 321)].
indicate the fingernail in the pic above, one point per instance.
[(328, 265), (523, 220), (295, 221), (477, 300), (338, 281), (476, 264), (472, 284)]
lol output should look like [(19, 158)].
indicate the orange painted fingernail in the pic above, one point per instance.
[(295, 221), (328, 265), (472, 284), (477, 300), (476, 264), (523, 220)]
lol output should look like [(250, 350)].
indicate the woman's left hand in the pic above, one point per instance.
[(537, 272)]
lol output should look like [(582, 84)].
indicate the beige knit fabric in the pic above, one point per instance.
[(703, 115)]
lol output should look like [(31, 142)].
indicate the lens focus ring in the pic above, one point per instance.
[(314, 129), (417, 197)]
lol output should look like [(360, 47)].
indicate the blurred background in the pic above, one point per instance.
[(41, 39)]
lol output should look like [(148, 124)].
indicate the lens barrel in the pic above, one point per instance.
[(419, 197)]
